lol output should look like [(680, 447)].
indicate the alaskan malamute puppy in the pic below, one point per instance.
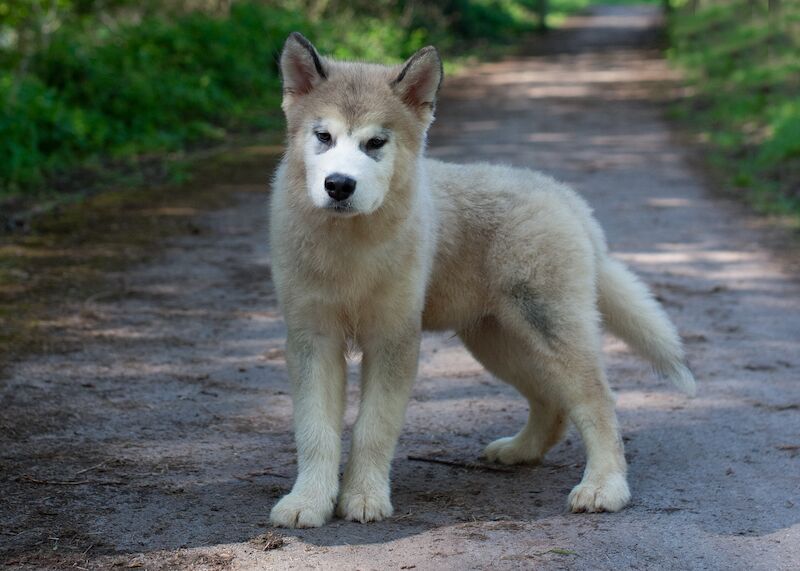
[(372, 243)]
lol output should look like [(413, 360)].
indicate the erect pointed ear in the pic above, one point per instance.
[(420, 78), (301, 68)]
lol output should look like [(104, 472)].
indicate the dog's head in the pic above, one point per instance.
[(358, 128)]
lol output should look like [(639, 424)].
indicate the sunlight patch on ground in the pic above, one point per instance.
[(628, 20), (649, 399), (717, 256), (669, 203), (549, 137), (544, 79)]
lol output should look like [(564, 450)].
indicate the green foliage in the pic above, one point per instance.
[(88, 82), (153, 86), (744, 65), (75, 91)]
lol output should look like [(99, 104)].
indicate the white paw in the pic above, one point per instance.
[(510, 450), (607, 494), (301, 510), (364, 506)]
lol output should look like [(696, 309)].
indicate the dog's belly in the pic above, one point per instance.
[(455, 299), (440, 316), (459, 289)]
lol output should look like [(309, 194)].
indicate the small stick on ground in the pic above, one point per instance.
[(266, 473), (32, 480), (457, 464), (250, 475), (90, 468)]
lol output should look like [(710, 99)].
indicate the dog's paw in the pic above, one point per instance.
[(510, 450), (364, 506), (609, 494), (301, 510)]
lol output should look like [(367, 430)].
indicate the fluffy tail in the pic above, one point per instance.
[(630, 312)]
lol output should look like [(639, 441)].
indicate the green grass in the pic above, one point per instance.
[(743, 66), (107, 95), (157, 86)]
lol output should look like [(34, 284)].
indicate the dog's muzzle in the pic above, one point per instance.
[(340, 187)]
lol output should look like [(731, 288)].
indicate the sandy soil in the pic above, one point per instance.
[(163, 441)]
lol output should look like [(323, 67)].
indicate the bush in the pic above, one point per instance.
[(157, 85), (150, 79), (744, 63)]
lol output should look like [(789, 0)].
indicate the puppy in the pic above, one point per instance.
[(372, 243)]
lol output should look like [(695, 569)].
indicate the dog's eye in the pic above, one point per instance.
[(375, 143), (323, 137)]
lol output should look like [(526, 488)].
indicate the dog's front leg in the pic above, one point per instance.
[(317, 370), (389, 367)]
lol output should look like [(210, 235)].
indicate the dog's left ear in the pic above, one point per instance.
[(419, 81), (301, 68)]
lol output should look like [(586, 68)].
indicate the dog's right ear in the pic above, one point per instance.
[(301, 68)]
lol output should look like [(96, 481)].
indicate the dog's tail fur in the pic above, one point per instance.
[(630, 312)]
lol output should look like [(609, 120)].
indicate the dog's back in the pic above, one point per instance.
[(500, 224), (497, 222)]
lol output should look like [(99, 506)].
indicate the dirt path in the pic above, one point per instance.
[(165, 440)]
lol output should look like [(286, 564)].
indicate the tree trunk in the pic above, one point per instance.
[(541, 13)]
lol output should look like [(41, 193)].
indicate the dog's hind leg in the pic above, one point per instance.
[(585, 394), (563, 339), (507, 356)]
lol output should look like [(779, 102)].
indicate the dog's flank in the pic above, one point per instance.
[(533, 309), (372, 242)]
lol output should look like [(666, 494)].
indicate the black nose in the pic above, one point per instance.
[(340, 186)]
